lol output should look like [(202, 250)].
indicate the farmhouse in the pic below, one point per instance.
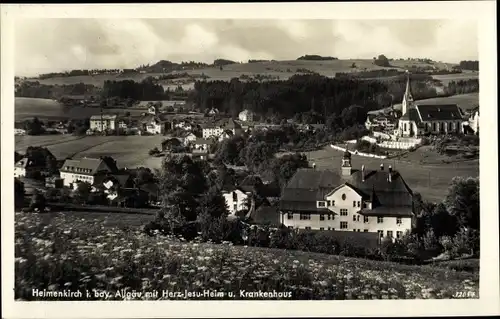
[(421, 119), (348, 200), (103, 122), (188, 138), (246, 116), (83, 170)]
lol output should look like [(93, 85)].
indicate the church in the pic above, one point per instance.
[(419, 119)]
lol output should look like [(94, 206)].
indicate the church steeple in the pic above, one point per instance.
[(346, 163), (407, 98)]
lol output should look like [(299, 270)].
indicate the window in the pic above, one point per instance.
[(329, 228), (365, 219), (321, 217), (353, 218), (308, 228), (290, 227), (365, 205), (353, 203), (333, 203), (333, 229), (328, 203), (380, 220), (289, 216), (235, 197), (366, 230), (380, 233), (305, 216), (389, 233), (398, 220), (343, 225), (321, 204), (359, 203), (321, 228), (235, 207), (329, 216), (399, 234), (357, 218), (343, 212), (343, 197)]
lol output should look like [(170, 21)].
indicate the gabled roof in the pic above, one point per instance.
[(439, 112), (308, 186), (266, 215), (24, 163), (104, 117), (121, 178), (204, 141), (84, 166), (411, 115)]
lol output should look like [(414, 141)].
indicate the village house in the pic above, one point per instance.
[(227, 134), (236, 199), (24, 167), (83, 170), (474, 120), (184, 125), (419, 119), (202, 145), (152, 109), (212, 130), (213, 111), (349, 200), (171, 144), (19, 131), (246, 116), (103, 122), (155, 125), (188, 138)]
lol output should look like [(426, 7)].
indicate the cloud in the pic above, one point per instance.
[(49, 45)]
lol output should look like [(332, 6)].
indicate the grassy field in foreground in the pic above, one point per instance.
[(57, 252), (430, 180), (129, 151)]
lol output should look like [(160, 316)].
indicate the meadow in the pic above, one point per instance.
[(128, 151), (430, 180), (28, 108), (67, 251)]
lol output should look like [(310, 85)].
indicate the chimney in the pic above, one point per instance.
[(389, 176), (382, 166), (362, 173)]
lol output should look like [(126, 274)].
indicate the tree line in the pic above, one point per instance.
[(469, 65), (314, 57)]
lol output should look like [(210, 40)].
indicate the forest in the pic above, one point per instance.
[(303, 93)]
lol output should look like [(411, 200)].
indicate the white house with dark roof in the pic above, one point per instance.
[(236, 199), (103, 122), (23, 167), (82, 170), (419, 119), (246, 116), (348, 200)]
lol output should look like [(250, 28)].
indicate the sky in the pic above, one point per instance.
[(54, 45)]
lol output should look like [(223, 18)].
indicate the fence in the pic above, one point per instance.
[(358, 153)]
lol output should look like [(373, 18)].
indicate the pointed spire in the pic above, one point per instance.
[(408, 95)]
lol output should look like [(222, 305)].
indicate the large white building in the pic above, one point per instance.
[(82, 170), (104, 122), (420, 119), (349, 200), (218, 128)]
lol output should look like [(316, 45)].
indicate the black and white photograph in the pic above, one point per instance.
[(281, 157)]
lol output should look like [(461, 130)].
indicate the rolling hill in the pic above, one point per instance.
[(277, 69)]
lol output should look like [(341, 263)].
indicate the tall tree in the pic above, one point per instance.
[(462, 201)]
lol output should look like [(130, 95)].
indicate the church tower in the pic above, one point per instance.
[(346, 163), (407, 98)]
